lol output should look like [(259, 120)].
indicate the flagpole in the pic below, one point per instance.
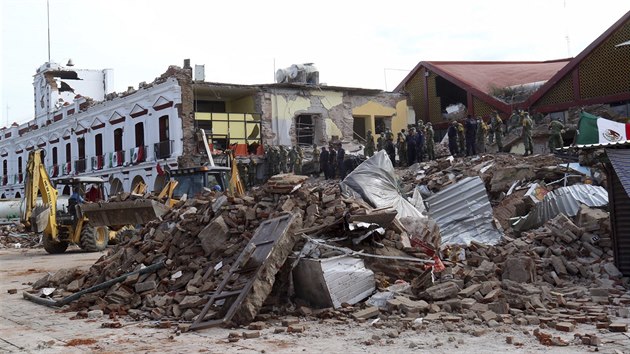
[(48, 17)]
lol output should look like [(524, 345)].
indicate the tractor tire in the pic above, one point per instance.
[(123, 235), (94, 239), (54, 247)]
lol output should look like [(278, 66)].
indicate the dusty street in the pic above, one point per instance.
[(28, 327)]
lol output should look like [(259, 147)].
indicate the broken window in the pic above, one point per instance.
[(449, 93), (163, 147), (304, 129)]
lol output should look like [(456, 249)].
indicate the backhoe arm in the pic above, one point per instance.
[(37, 180)]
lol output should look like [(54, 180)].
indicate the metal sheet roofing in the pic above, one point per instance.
[(564, 200), (463, 213)]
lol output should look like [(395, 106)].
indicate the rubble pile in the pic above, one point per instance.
[(199, 240), (14, 236), (554, 276)]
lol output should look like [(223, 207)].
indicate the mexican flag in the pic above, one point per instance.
[(597, 130)]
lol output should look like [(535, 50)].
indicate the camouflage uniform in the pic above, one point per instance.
[(316, 154), (429, 136), (282, 159), (527, 134), (298, 160), (379, 143), (497, 128), (555, 139), (482, 130), (369, 144), (401, 145), (292, 158), (461, 140)]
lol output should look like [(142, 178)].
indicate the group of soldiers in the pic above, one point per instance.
[(331, 161), (283, 160), (412, 146), (470, 138)]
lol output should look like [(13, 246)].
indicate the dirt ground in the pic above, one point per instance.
[(28, 327)]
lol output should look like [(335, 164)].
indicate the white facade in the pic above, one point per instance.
[(135, 115)]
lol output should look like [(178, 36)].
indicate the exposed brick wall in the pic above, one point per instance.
[(186, 113)]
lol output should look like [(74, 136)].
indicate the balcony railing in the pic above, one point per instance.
[(80, 165), (138, 155), (163, 149), (98, 162)]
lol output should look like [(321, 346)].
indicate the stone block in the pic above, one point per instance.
[(469, 290), (145, 286), (519, 269), (442, 291), (618, 327), (366, 313), (565, 326), (488, 315), (214, 237)]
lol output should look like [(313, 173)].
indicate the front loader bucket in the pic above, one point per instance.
[(134, 212)]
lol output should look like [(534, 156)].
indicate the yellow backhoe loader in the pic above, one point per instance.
[(60, 227)]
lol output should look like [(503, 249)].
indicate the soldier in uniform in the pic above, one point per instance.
[(282, 159), (401, 145), (251, 170), (429, 136), (390, 149), (555, 139), (379, 142), (471, 136), (332, 162), (497, 127), (275, 160), (411, 146), (292, 159), (316, 166), (420, 141), (324, 161), (341, 155), (298, 160), (482, 130), (452, 139), (369, 144), (527, 134), (461, 139)]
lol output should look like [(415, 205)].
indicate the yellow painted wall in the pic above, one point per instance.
[(373, 109), (329, 99), (286, 109)]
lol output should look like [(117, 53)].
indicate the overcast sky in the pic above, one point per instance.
[(368, 44)]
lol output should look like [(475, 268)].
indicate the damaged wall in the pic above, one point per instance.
[(332, 111), (55, 85)]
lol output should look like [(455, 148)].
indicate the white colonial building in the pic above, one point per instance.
[(85, 130)]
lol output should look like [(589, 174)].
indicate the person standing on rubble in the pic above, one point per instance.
[(430, 135), (282, 159), (401, 145), (298, 160), (341, 156), (527, 124), (482, 131), (316, 166), (323, 162), (452, 139), (369, 144), (379, 142), (555, 139), (471, 136), (513, 121), (497, 127), (390, 149), (461, 138), (420, 141), (332, 162), (292, 159), (411, 146)]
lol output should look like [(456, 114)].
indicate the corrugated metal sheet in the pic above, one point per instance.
[(597, 146), (620, 159), (327, 282), (564, 200), (464, 213), (619, 221)]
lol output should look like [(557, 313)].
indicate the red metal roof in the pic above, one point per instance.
[(483, 76)]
